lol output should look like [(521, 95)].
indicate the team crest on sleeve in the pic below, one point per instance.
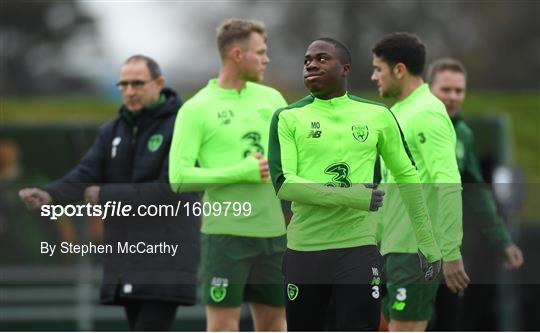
[(360, 132)]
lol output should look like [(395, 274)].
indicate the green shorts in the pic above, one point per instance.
[(238, 269), (410, 297)]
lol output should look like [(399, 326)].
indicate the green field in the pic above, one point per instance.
[(522, 108)]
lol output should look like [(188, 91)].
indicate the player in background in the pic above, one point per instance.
[(224, 128), (322, 153), (447, 79), (398, 63)]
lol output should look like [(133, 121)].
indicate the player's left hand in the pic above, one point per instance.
[(376, 197), (91, 194), (431, 269), (513, 257), (455, 276)]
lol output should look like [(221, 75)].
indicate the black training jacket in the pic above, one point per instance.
[(129, 160)]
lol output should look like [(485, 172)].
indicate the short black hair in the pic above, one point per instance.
[(151, 64), (343, 52), (402, 47)]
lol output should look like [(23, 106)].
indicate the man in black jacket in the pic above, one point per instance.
[(128, 163)]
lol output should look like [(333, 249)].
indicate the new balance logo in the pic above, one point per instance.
[(399, 306), (314, 134)]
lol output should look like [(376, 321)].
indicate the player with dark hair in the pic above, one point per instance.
[(343, 54), (447, 79), (322, 152), (398, 62)]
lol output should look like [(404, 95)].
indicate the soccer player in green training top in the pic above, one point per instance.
[(224, 128), (398, 62), (322, 152), (447, 79)]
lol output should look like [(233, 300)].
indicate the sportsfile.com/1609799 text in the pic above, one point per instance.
[(117, 209)]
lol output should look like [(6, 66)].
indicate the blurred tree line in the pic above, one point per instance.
[(498, 41), (45, 45), (40, 43)]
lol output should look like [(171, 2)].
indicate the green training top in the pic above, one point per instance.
[(432, 141), (220, 129), (478, 203), (321, 154)]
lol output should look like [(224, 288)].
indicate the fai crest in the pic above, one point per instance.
[(155, 142), (292, 291), (218, 293), (360, 132), (266, 114)]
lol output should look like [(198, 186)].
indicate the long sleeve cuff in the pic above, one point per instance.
[(357, 196), (193, 179)]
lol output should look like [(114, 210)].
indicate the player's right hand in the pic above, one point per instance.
[(34, 198), (264, 169), (431, 269), (455, 276), (376, 197), (513, 257)]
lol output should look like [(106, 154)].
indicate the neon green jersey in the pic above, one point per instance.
[(321, 154), (220, 129), (431, 138)]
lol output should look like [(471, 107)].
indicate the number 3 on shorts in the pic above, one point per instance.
[(401, 294), (375, 292)]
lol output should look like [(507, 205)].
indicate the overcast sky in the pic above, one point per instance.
[(180, 35)]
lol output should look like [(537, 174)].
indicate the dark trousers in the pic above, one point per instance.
[(447, 314), (146, 315)]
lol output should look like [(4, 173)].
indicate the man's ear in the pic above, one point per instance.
[(160, 81), (399, 70), (345, 70), (235, 54)]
